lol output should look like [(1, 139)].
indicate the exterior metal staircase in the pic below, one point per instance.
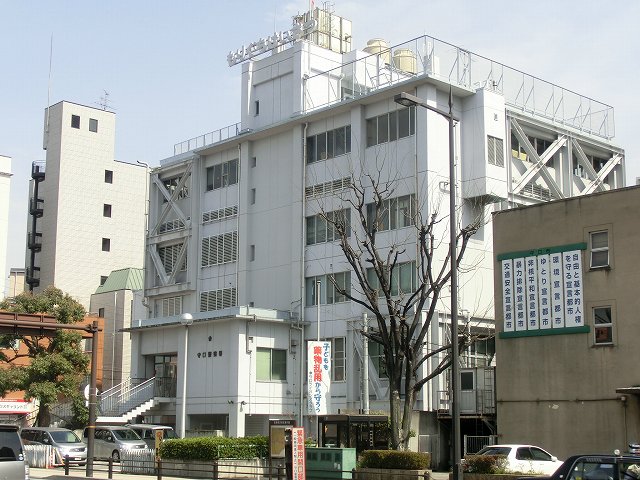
[(124, 402)]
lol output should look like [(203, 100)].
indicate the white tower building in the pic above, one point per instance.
[(87, 209)]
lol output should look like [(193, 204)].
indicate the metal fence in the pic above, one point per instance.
[(474, 443)]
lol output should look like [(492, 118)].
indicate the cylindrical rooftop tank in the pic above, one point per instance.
[(380, 46), (405, 60)]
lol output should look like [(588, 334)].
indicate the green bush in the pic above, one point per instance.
[(485, 464), (394, 459), (214, 448)]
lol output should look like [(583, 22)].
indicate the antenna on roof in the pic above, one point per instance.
[(104, 102), (46, 128)]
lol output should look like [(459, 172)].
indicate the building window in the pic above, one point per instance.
[(106, 244), (171, 306), (327, 188), (75, 121), (391, 126), (169, 257), (252, 253), (219, 214), (602, 326), (495, 151), (328, 292), (329, 144), (338, 359), (599, 249), (87, 345), (106, 210), (103, 279), (271, 365), (376, 354), (252, 197), (217, 299), (219, 249), (108, 176), (256, 106), (394, 213), (403, 280), (171, 184), (93, 125), (101, 312), (320, 230), (254, 162), (222, 175)]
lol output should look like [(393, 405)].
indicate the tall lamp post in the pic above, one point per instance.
[(186, 319), (408, 100)]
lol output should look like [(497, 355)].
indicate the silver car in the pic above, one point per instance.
[(111, 441), (65, 442)]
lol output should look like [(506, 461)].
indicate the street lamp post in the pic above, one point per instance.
[(186, 319), (408, 101)]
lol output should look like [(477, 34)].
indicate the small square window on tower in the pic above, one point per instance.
[(106, 244), (108, 176), (75, 121), (93, 125)]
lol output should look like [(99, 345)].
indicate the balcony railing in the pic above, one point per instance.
[(472, 402), (134, 392)]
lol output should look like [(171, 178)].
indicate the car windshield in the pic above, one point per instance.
[(169, 433), (495, 451), (126, 434), (65, 437)]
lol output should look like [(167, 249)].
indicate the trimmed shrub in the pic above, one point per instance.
[(485, 464), (214, 448), (394, 459)]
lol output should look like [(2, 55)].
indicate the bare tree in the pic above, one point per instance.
[(400, 329)]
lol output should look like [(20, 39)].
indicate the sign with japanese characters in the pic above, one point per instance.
[(318, 377), (542, 289), (298, 453)]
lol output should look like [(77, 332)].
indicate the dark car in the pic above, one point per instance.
[(596, 467)]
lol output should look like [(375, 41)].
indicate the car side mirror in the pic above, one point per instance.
[(554, 458)]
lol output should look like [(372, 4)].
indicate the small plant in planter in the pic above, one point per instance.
[(486, 464)]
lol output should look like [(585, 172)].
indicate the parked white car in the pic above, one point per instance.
[(525, 458)]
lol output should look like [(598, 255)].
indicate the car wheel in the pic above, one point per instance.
[(115, 456)]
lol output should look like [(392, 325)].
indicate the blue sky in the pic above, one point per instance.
[(164, 66)]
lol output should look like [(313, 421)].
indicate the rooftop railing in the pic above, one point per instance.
[(207, 139)]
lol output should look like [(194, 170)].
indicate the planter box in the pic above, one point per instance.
[(226, 468), (389, 474)]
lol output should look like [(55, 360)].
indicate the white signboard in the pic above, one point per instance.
[(507, 295), (318, 377), (544, 291), (573, 311)]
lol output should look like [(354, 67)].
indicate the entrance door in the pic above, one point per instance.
[(166, 373)]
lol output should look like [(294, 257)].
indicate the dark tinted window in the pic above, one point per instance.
[(495, 451), (10, 446)]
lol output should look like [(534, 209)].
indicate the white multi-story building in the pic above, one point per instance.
[(87, 210), (236, 241), (5, 188)]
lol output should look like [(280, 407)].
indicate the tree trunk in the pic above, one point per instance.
[(44, 416)]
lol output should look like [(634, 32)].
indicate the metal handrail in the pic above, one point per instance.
[(117, 403)]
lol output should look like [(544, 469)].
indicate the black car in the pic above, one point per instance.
[(596, 467)]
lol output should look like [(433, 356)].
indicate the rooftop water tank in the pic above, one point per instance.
[(405, 60), (379, 46)]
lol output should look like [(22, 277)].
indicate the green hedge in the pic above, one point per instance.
[(214, 448), (485, 464), (394, 459)]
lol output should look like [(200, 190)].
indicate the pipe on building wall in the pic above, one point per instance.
[(302, 259)]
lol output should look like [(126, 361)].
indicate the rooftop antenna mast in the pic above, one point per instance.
[(104, 101)]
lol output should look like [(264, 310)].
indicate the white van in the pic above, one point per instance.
[(12, 461), (110, 441)]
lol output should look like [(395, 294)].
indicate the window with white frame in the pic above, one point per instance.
[(338, 359), (319, 230), (171, 306), (403, 279), (328, 292), (222, 175), (495, 151), (599, 248), (329, 144), (271, 365), (219, 249), (602, 325), (391, 126), (393, 213)]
